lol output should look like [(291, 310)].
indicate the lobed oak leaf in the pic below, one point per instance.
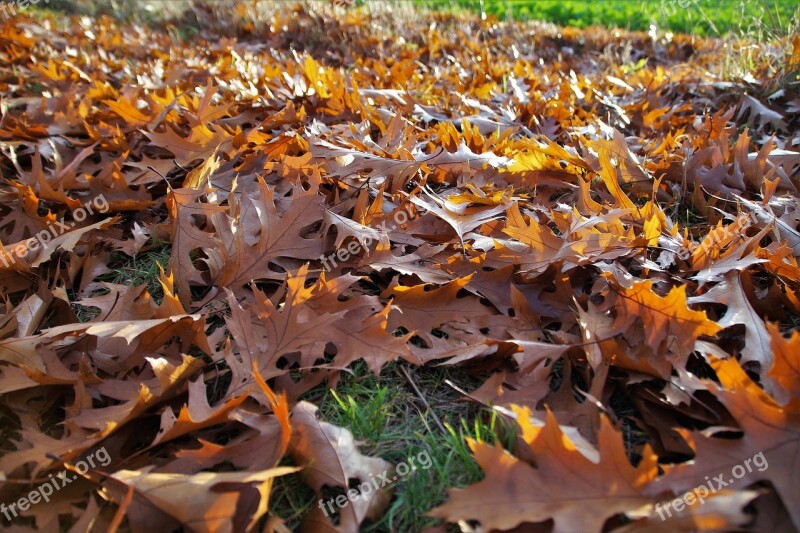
[(169, 380), (461, 219), (545, 244), (731, 294), (334, 461), (37, 448), (258, 231), (785, 370), (760, 113), (611, 178), (25, 351), (578, 494), (185, 208), (345, 162), (346, 227), (784, 225), (419, 310), (311, 318), (719, 511), (201, 143), (478, 196), (666, 320), (194, 415), (532, 353), (525, 390), (725, 249), (766, 451), (207, 501), (32, 253), (262, 448), (280, 407), (199, 178), (538, 156), (26, 220), (128, 111), (206, 112), (412, 264)]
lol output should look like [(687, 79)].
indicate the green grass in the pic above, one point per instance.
[(141, 269), (389, 420), (702, 17)]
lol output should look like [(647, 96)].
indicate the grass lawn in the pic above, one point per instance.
[(703, 17)]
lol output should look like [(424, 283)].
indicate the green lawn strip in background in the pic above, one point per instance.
[(702, 17)]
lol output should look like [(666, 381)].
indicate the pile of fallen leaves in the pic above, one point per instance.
[(578, 217)]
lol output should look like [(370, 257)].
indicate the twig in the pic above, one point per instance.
[(422, 399)]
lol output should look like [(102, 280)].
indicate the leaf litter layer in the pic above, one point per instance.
[(592, 223)]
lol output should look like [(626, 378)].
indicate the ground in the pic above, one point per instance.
[(263, 253)]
